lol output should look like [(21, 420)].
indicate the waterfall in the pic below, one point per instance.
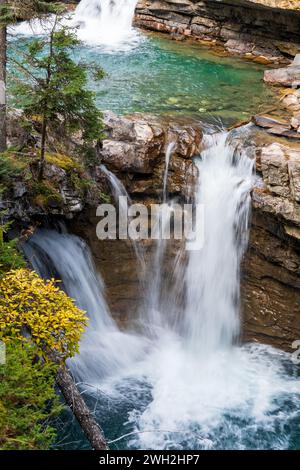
[(213, 272), (103, 348), (107, 22), (123, 200), (190, 386), (118, 189), (169, 152), (207, 392)]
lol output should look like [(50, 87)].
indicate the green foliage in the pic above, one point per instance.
[(44, 194), (51, 318), (12, 10), (50, 84), (65, 162), (27, 399), (9, 167), (10, 257)]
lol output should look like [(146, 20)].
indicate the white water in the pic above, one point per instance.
[(123, 202), (106, 23), (205, 391), (213, 273), (190, 386), (104, 348), (169, 152)]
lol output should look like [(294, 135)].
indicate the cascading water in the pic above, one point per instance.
[(187, 387), (107, 22), (213, 272), (123, 200), (205, 391), (98, 22), (104, 348), (169, 151)]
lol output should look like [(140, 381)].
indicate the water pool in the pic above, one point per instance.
[(159, 75)]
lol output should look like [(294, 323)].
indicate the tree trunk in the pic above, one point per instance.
[(2, 85), (43, 147), (77, 404)]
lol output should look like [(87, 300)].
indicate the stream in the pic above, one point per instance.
[(179, 381)]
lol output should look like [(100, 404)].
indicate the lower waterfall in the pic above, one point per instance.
[(104, 348), (190, 385)]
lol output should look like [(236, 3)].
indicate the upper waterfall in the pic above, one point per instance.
[(107, 22)]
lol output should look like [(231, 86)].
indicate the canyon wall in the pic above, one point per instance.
[(135, 151), (263, 30), (271, 270)]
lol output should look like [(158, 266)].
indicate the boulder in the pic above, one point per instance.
[(135, 148), (286, 76)]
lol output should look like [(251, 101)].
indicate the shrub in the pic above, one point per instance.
[(10, 258), (28, 304), (27, 399)]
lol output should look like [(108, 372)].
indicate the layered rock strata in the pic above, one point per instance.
[(266, 31)]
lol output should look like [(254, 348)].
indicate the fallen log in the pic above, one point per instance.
[(80, 410)]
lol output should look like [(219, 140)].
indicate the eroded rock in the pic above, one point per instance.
[(271, 270), (136, 146), (286, 76), (265, 31)]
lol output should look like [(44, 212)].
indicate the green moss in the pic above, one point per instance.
[(10, 166), (44, 194), (65, 162)]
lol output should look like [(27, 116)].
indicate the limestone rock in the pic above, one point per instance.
[(295, 121), (135, 149), (263, 30), (287, 76)]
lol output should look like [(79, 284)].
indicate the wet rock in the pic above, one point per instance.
[(17, 134), (296, 61), (262, 30), (291, 101), (295, 121), (135, 149), (19, 189), (271, 270), (287, 76)]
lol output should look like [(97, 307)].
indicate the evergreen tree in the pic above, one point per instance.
[(10, 12), (51, 85)]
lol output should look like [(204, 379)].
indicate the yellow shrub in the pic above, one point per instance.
[(63, 161), (30, 304)]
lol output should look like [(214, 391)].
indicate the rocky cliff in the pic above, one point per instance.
[(134, 150), (263, 30)]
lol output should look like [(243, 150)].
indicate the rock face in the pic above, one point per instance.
[(271, 270), (135, 150), (287, 76), (263, 30), (271, 282)]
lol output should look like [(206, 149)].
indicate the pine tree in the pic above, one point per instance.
[(10, 12), (51, 85)]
